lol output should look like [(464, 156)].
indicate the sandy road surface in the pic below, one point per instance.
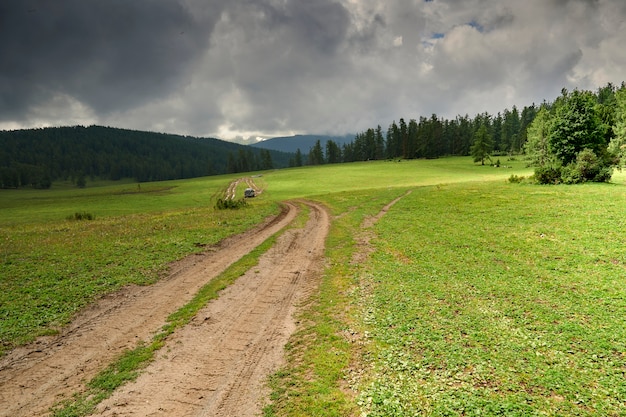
[(218, 365), (237, 334)]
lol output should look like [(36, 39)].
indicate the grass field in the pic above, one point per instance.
[(480, 297), (499, 300), (50, 266)]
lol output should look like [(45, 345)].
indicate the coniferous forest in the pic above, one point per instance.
[(36, 157), (578, 137)]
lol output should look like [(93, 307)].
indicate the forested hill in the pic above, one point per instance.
[(36, 157), (302, 142)]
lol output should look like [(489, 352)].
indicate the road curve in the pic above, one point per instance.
[(36, 376)]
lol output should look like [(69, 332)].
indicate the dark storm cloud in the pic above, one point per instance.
[(108, 54), (318, 23), (231, 68)]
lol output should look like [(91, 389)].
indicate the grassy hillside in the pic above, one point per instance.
[(496, 299), (52, 266), (479, 296)]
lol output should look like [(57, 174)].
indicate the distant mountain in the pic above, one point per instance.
[(303, 142), (36, 157)]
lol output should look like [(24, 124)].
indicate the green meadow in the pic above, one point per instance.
[(477, 297)]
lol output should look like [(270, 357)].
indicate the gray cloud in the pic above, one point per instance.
[(271, 67), (109, 55)]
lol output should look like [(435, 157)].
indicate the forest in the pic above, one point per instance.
[(37, 157), (580, 136), (551, 135)]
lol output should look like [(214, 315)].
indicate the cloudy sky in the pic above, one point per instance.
[(262, 68)]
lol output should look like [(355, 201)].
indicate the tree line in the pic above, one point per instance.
[(431, 137), (552, 135), (579, 137), (246, 160), (37, 157)]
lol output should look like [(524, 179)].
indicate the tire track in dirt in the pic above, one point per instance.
[(219, 364), (364, 237), (231, 190), (36, 376)]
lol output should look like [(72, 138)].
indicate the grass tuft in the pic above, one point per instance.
[(81, 215)]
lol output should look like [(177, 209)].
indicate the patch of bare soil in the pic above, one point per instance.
[(215, 366)]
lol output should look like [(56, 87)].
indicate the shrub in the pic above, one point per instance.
[(516, 179), (81, 215), (587, 167), (222, 204), (548, 175)]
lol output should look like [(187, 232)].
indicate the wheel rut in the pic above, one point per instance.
[(218, 365), (213, 366)]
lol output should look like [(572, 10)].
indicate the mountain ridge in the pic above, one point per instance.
[(291, 144)]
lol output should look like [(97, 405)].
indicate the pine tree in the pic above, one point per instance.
[(483, 145), (298, 158), (316, 155)]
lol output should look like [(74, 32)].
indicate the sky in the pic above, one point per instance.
[(245, 69)]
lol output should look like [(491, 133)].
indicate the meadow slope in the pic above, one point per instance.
[(447, 290)]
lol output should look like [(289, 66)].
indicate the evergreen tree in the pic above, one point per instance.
[(266, 159), (464, 136), (404, 139), (394, 142), (483, 145), (510, 130), (434, 147), (379, 142), (528, 115), (231, 165), (333, 152), (298, 158), (316, 155), (496, 132), (347, 152), (417, 139)]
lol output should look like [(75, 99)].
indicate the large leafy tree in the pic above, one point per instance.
[(576, 126), (576, 147), (483, 145)]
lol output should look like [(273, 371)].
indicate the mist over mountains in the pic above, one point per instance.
[(291, 144)]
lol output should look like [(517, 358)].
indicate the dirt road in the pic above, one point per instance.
[(217, 365), (231, 191)]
